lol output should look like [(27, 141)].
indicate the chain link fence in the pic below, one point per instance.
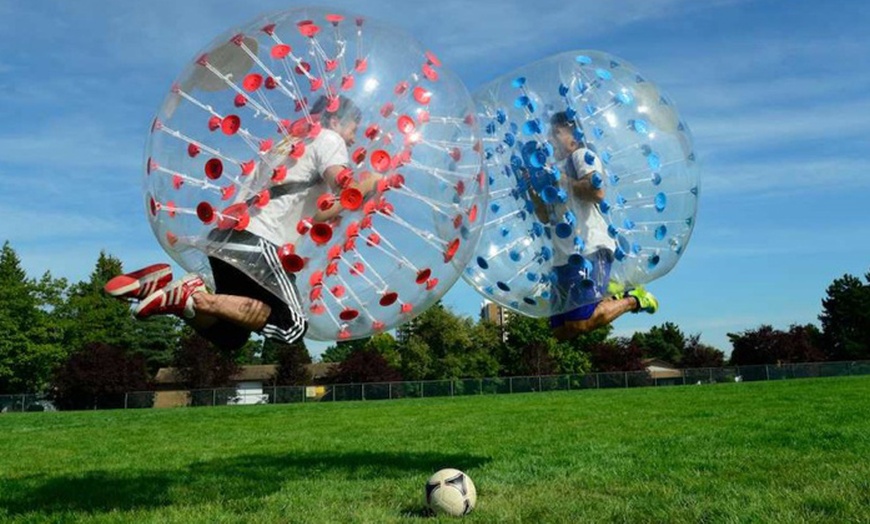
[(458, 387)]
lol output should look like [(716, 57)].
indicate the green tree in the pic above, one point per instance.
[(620, 354), (89, 315), (699, 355), (363, 365), (201, 364), (342, 349), (666, 342), (529, 349), (416, 359), (438, 344), (572, 356), (846, 319), (30, 340), (386, 345), (481, 359), (766, 345)]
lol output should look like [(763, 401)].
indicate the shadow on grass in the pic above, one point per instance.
[(240, 477)]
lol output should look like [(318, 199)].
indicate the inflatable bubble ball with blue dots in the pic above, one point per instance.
[(594, 183)]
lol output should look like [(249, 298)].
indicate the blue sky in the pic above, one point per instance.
[(777, 94)]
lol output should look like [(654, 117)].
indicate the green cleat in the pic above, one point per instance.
[(615, 289), (646, 300)]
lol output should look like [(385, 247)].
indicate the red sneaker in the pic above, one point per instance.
[(174, 299), (139, 284)]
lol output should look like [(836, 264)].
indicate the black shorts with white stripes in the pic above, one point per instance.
[(283, 324)]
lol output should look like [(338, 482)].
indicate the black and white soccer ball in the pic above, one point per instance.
[(450, 492)]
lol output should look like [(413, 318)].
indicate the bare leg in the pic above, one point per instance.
[(605, 312), (246, 312)]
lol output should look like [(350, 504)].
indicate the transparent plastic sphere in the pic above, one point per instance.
[(593, 183), (237, 151)]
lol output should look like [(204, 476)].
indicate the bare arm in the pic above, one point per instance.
[(588, 184), (584, 189), (365, 187)]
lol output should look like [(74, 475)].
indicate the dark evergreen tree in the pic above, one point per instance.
[(292, 360), (846, 319)]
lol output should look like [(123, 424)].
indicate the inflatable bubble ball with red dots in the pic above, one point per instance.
[(325, 152)]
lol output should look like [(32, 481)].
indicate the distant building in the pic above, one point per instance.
[(660, 370), (250, 383), (492, 312)]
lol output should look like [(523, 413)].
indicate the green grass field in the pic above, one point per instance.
[(786, 451)]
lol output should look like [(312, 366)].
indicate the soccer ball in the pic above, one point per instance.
[(450, 492)]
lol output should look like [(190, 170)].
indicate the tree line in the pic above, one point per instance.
[(83, 347)]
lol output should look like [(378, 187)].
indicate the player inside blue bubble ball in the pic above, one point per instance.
[(582, 261)]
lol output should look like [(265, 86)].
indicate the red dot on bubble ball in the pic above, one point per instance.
[(252, 82), (472, 213), (406, 124), (291, 262), (297, 150), (351, 199), (422, 95), (321, 233), (280, 51), (380, 161), (359, 155), (214, 168), (348, 314), (230, 124), (423, 275), (308, 28), (205, 212), (228, 192), (279, 173), (429, 72), (430, 56), (235, 217), (302, 68), (451, 250), (389, 298)]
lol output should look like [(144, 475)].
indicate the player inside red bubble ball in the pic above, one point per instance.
[(239, 304)]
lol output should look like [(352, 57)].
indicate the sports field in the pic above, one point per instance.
[(783, 451)]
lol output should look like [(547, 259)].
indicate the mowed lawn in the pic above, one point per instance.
[(784, 451)]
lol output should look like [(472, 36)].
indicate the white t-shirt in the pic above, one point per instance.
[(277, 221), (590, 224)]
